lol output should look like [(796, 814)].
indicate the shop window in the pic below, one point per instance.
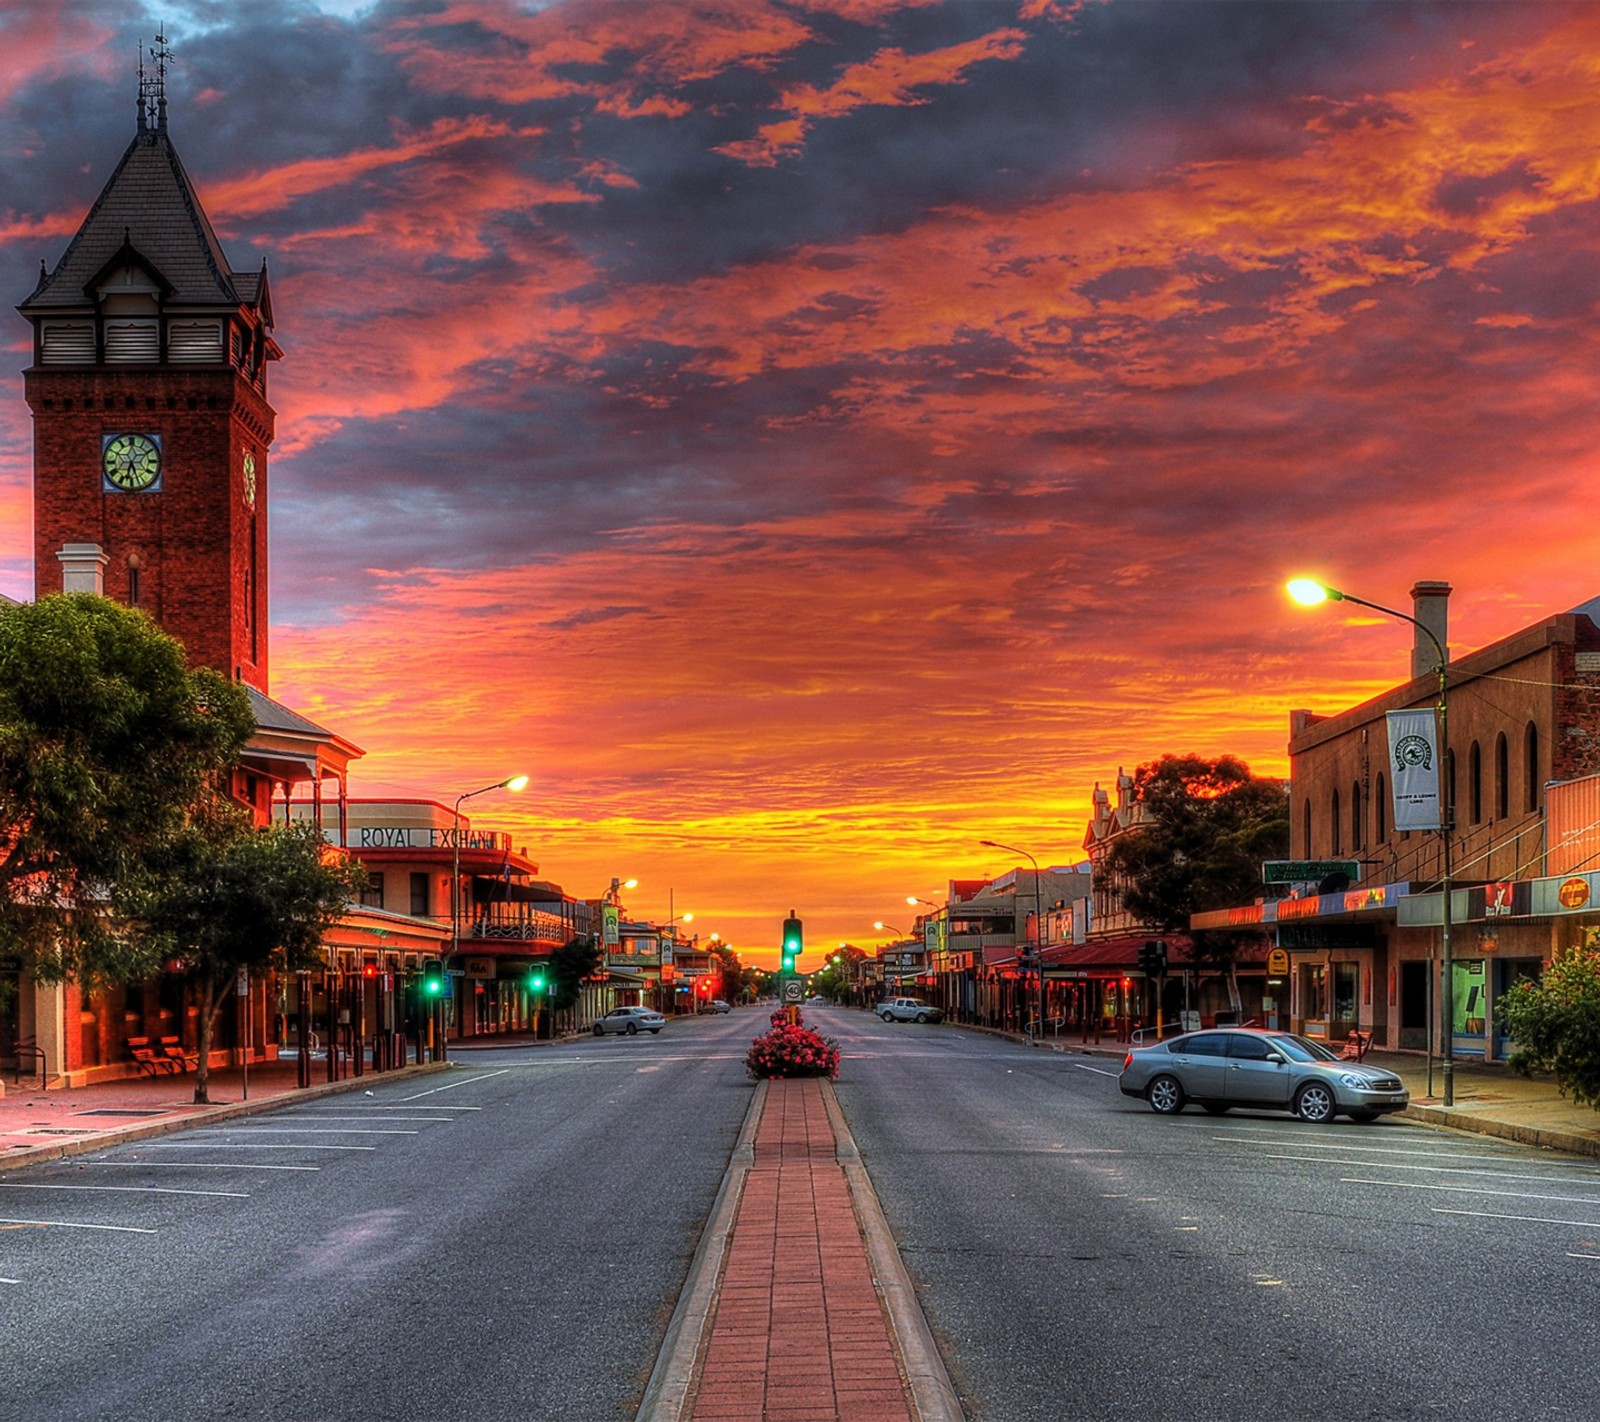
[(372, 895), (1305, 831), (419, 896), (1355, 817), (1380, 810), (1450, 789), (1475, 783), (1337, 826)]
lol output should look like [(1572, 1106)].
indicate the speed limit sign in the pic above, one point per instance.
[(791, 990)]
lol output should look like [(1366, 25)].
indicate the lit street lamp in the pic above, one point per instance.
[(1038, 918), (515, 782), (1308, 592)]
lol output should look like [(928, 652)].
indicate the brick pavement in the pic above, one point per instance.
[(799, 1333)]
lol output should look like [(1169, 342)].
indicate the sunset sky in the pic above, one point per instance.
[(809, 437)]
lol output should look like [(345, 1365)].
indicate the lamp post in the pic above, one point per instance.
[(514, 782), (1308, 592), (1038, 918)]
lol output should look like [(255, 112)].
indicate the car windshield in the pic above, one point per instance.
[(1302, 1049)]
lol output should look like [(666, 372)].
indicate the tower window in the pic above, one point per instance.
[(132, 341), (133, 586), (66, 343)]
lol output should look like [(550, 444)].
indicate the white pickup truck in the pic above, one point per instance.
[(908, 1009)]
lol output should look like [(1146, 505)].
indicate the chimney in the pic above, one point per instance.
[(83, 567), (1430, 606)]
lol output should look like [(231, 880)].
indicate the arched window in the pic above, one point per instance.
[(1380, 810), (1305, 830), (1449, 806), (1502, 778), (1475, 783), (1355, 816), (1337, 826), (1530, 768)]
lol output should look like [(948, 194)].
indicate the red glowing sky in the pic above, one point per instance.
[(809, 438)]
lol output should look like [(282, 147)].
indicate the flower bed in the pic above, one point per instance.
[(791, 1049)]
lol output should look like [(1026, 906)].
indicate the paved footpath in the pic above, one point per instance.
[(799, 1333)]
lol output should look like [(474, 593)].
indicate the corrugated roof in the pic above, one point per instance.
[(150, 204)]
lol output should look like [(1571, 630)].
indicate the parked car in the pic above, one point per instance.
[(716, 1005), (629, 1020), (1244, 1066), (908, 1009)]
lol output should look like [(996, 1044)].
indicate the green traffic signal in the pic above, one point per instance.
[(433, 978), (536, 981)]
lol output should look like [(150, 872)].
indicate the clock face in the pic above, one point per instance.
[(131, 463), (249, 470)]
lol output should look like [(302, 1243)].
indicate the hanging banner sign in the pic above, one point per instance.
[(609, 917), (1414, 769)]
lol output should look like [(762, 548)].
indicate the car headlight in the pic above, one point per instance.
[(1357, 1082)]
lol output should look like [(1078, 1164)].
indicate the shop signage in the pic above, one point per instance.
[(1414, 768), (479, 967), (1278, 962), (1308, 871), (1327, 935), (1573, 893), (10, 965)]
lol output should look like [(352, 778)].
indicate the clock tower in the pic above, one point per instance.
[(148, 388)]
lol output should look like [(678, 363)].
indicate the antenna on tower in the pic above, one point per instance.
[(153, 86)]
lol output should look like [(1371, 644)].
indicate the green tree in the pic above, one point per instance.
[(576, 959), (1554, 1024), (106, 740), (1205, 829), (222, 895)]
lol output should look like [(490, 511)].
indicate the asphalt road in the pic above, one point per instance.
[(503, 1241), (507, 1241), (1079, 1257)]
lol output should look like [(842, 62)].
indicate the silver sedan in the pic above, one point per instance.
[(1242, 1066)]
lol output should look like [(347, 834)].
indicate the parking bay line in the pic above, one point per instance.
[(1520, 1219), (189, 1165), (318, 1131), (451, 1085), (129, 1190), (1470, 1190), (365, 1116), (73, 1224), (235, 1145), (1399, 1165)]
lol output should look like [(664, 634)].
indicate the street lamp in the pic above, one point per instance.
[(1308, 592), (1038, 917), (514, 782)]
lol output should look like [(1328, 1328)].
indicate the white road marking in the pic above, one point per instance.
[(1520, 1219), (1417, 1169), (189, 1165), (1098, 1071), (319, 1131), (235, 1145), (71, 1224), (451, 1085), (130, 1190), (364, 1116), (1470, 1190)]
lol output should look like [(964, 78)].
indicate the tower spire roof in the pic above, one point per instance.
[(149, 205)]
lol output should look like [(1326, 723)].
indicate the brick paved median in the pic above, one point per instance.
[(799, 1333)]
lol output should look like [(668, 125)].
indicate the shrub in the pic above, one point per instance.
[(791, 1051), (1554, 1025)]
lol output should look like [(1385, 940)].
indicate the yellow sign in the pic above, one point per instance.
[(1277, 962), (1573, 893)]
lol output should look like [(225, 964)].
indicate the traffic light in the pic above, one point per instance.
[(793, 941), (433, 978), (536, 980), (369, 971), (1153, 957)]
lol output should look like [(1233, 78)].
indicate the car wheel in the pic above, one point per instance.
[(599, 1031), (1216, 1108), (633, 1027), (1315, 1103), (922, 1017), (1366, 1118), (887, 1016), (1165, 1095), (654, 1030)]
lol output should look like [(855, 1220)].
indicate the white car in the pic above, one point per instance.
[(908, 1009), (629, 1020)]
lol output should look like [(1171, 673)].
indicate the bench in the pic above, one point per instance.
[(148, 1058), (175, 1056), (1355, 1046)]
